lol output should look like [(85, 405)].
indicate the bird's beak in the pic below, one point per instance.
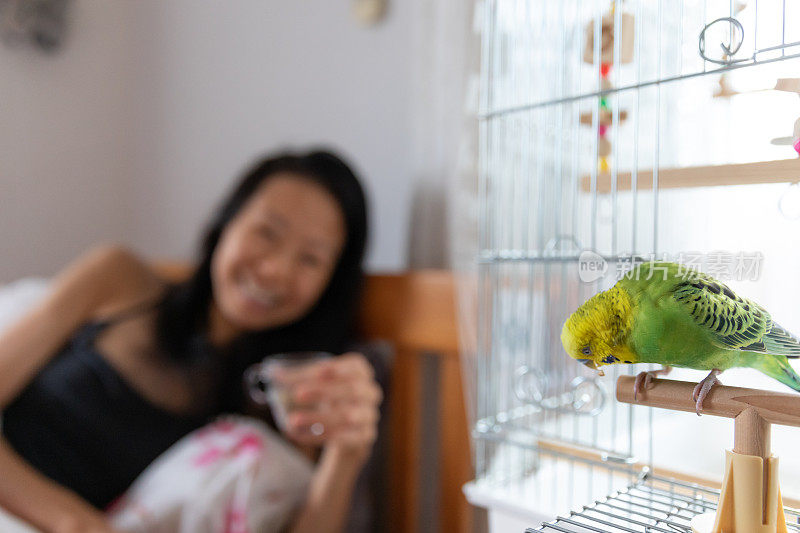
[(591, 364)]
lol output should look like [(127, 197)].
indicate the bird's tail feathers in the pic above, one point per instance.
[(778, 367), (780, 342)]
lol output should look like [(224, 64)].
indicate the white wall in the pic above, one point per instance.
[(231, 80), (63, 175), (135, 129)]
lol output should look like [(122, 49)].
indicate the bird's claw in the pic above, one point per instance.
[(703, 388), (641, 378), (646, 378)]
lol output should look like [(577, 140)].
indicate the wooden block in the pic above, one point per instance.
[(607, 36), (604, 117), (724, 90), (603, 147), (791, 85)]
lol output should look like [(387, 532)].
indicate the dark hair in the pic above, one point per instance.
[(182, 321)]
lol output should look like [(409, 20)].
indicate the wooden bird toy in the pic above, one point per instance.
[(608, 37)]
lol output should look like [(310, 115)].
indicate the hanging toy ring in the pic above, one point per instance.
[(729, 50)]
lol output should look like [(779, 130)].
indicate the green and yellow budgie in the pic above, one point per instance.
[(661, 313)]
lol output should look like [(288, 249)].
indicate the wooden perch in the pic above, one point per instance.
[(754, 410), (728, 402), (779, 171)]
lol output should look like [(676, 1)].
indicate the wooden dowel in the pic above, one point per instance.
[(779, 171), (729, 402), (751, 434)]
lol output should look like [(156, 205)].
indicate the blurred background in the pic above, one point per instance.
[(127, 121)]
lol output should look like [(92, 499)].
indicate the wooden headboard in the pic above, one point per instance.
[(416, 312)]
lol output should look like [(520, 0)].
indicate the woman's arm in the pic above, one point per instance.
[(329, 495), (42, 503), (87, 285)]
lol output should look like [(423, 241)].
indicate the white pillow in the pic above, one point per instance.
[(11, 524), (15, 299), (18, 297)]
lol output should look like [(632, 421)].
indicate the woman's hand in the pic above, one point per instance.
[(335, 404)]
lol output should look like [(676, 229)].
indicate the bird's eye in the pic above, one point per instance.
[(586, 350)]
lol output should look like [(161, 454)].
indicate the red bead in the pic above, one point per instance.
[(601, 130), (605, 68)]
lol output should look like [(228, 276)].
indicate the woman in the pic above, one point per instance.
[(116, 365)]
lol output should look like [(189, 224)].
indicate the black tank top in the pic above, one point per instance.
[(81, 424)]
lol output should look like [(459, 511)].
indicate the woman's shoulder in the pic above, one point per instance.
[(123, 279)]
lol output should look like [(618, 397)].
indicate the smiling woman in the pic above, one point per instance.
[(116, 366), (275, 259)]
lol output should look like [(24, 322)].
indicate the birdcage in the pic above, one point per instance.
[(613, 133)]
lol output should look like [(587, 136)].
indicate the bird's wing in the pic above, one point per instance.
[(735, 323)]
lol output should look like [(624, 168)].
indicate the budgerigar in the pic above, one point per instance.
[(662, 313)]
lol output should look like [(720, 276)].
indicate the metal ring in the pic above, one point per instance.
[(726, 49), (530, 385), (596, 400), (556, 241)]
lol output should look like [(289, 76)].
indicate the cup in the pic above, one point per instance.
[(264, 390)]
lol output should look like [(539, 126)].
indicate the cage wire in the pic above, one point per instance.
[(651, 504), (580, 108)]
